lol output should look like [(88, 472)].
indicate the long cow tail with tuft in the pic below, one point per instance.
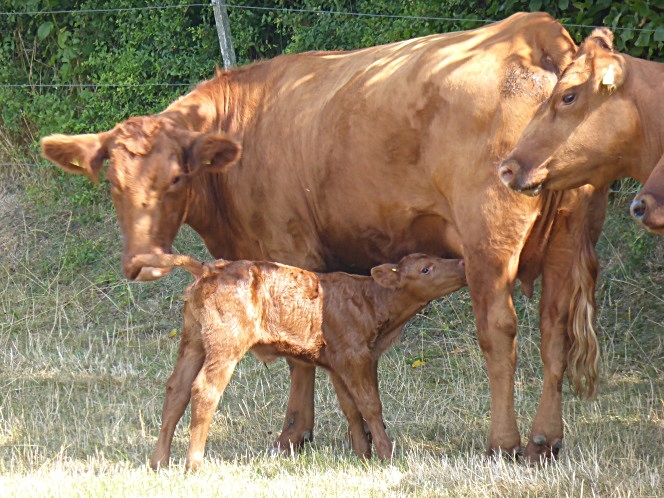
[(583, 356)]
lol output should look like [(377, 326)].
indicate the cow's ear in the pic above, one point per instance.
[(609, 72), (212, 152), (603, 37), (387, 276), (77, 154)]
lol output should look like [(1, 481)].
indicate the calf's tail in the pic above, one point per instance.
[(192, 265)]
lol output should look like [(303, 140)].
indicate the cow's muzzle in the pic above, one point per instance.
[(510, 171), (645, 210)]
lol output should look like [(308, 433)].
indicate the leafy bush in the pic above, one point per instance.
[(134, 62)]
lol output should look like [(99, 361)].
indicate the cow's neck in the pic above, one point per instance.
[(225, 103), (211, 215), (645, 85)]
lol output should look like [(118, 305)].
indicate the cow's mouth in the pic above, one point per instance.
[(532, 190)]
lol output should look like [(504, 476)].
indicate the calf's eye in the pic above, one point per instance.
[(426, 270)]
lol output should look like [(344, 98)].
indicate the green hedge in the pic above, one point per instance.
[(176, 47)]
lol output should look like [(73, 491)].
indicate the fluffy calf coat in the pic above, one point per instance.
[(338, 321)]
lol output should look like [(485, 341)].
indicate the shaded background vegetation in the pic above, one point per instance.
[(172, 48)]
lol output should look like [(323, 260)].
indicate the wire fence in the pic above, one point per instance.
[(282, 10), (237, 6)]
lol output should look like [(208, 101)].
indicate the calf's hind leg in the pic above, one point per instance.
[(178, 393), (205, 394)]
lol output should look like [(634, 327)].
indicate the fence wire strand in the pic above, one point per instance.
[(294, 10)]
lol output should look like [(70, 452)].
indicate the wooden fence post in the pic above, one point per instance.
[(224, 32)]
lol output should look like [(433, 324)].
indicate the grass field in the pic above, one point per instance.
[(84, 357)]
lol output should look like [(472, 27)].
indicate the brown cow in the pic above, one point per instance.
[(603, 121), (337, 321), (648, 205), (354, 158)]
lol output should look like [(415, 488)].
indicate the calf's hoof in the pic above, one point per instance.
[(286, 446), (157, 462), (513, 454), (540, 450)]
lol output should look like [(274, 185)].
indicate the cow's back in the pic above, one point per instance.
[(357, 158)]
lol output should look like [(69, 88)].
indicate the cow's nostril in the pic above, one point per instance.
[(638, 209), (506, 174)]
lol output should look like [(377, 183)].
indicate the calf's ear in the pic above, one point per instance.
[(77, 154), (387, 276), (212, 152)]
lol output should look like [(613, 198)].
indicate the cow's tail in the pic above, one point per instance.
[(192, 265), (583, 356)]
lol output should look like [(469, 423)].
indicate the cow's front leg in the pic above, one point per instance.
[(299, 422), (491, 292)]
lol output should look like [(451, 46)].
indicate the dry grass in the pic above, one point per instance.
[(84, 357)]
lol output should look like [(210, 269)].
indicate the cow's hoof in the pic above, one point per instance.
[(539, 451)]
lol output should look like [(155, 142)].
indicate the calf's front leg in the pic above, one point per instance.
[(358, 436), (360, 376)]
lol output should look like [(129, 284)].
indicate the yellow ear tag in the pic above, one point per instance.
[(207, 163), (610, 77), (74, 162), (394, 270)]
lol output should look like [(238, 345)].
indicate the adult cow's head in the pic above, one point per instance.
[(648, 205), (152, 164), (584, 132)]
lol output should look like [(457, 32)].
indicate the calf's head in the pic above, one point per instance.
[(421, 276), (584, 132), (153, 163)]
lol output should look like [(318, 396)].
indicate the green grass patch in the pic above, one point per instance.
[(85, 355)]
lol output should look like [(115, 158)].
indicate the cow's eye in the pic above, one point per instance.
[(569, 98), (176, 180), (426, 270)]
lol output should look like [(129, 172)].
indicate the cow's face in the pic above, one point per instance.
[(648, 205), (152, 167), (577, 134)]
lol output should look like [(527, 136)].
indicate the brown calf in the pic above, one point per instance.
[(338, 321)]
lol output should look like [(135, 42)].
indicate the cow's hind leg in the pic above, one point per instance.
[(178, 393), (356, 429), (299, 422), (567, 308)]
